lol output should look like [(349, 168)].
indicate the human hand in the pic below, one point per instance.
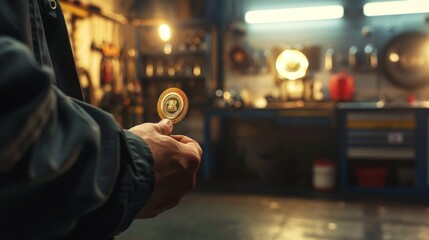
[(176, 161)]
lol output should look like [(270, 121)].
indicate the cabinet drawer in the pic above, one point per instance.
[(388, 138), (372, 120)]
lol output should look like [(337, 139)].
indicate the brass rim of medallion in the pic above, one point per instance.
[(173, 105)]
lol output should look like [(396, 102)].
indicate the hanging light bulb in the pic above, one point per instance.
[(164, 32)]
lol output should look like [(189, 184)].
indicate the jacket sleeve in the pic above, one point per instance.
[(66, 168)]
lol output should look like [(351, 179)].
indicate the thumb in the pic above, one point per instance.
[(165, 126)]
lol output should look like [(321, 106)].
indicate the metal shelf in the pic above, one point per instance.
[(83, 10)]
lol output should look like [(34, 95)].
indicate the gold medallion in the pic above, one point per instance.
[(173, 105)]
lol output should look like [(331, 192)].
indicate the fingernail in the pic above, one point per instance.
[(166, 121)]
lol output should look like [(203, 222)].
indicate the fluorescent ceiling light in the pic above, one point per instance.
[(395, 8), (295, 14)]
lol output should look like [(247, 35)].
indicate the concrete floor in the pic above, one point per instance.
[(249, 217)]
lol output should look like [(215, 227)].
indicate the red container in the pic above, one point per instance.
[(374, 177), (341, 87)]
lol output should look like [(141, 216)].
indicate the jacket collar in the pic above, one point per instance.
[(59, 47)]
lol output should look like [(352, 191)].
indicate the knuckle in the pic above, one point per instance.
[(194, 161), (162, 129), (157, 127), (163, 142)]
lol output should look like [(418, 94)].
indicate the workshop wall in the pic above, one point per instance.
[(97, 30), (339, 35)]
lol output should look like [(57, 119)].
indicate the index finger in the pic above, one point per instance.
[(188, 141)]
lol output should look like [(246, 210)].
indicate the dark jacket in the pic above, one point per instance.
[(67, 170)]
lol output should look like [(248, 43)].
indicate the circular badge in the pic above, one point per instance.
[(173, 105)]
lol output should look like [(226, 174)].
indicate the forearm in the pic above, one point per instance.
[(133, 185), (63, 163)]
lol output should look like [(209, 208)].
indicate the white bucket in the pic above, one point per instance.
[(324, 175)]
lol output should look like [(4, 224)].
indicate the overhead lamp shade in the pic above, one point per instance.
[(292, 64)]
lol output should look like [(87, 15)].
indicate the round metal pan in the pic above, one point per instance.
[(405, 60)]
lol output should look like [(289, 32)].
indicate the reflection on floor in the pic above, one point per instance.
[(245, 217)]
